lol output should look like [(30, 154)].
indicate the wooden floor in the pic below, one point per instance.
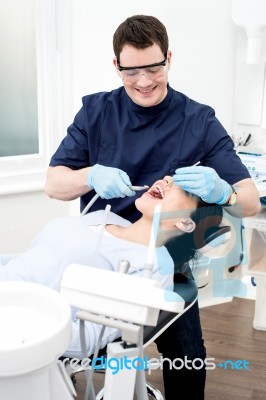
[(229, 335)]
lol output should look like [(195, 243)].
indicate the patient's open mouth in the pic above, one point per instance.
[(156, 191)]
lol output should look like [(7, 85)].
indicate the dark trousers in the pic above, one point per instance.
[(183, 340)]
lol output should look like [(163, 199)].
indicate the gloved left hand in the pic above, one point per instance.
[(203, 182)]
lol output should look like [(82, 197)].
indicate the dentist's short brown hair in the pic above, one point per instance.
[(140, 31)]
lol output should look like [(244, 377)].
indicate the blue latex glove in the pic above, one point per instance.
[(203, 182), (109, 182)]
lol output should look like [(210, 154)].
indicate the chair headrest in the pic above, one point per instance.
[(215, 237), (216, 232)]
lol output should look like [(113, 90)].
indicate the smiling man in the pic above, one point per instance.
[(145, 84), (138, 133)]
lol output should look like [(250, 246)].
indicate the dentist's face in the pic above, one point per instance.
[(169, 196), (146, 87)]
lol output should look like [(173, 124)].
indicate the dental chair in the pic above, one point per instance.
[(157, 314), (142, 311)]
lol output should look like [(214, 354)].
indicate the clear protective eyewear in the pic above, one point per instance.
[(151, 71)]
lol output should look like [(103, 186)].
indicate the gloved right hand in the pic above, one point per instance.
[(109, 182)]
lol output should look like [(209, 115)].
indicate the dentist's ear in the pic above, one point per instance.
[(169, 57), (115, 61), (116, 67), (186, 225)]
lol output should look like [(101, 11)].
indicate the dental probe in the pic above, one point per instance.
[(138, 188), (171, 181), (197, 163), (95, 197)]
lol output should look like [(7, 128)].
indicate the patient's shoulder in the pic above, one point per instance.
[(68, 223), (100, 216)]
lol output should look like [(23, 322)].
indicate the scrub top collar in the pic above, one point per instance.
[(150, 110)]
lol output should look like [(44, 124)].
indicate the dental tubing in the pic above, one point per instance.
[(96, 196)]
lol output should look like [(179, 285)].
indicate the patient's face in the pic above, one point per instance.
[(170, 197)]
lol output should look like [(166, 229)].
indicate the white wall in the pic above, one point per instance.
[(23, 215), (202, 38), (250, 93)]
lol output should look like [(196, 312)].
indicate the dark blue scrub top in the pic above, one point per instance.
[(146, 142)]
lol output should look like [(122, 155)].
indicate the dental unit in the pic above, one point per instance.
[(133, 302), (29, 368), (29, 358)]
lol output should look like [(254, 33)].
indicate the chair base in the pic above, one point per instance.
[(153, 393)]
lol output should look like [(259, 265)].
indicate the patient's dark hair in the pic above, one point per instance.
[(140, 31), (184, 248)]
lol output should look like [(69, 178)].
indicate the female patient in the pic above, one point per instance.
[(74, 240)]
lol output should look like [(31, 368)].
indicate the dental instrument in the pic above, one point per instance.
[(149, 264), (107, 210), (90, 203), (169, 182), (138, 188), (260, 180), (96, 196)]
